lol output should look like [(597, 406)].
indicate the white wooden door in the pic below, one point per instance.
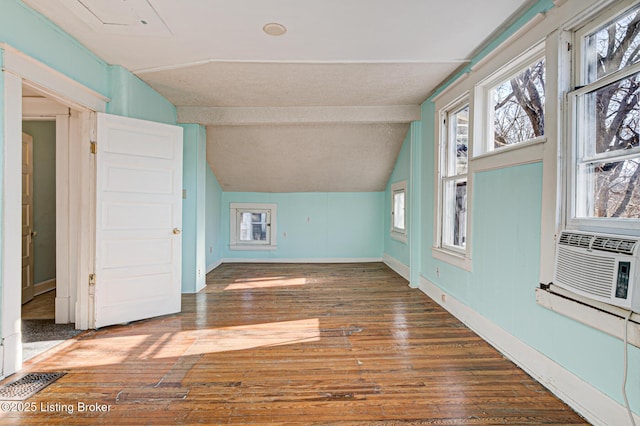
[(138, 220), (27, 218)]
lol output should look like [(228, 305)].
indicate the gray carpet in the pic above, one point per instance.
[(40, 335)]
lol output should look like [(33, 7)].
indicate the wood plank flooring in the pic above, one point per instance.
[(268, 344), (40, 307)]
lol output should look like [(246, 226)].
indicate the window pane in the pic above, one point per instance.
[(519, 107), (611, 189), (398, 210), (458, 143), (253, 226), (613, 46), (611, 117), (455, 213)]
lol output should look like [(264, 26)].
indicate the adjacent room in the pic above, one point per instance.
[(360, 211)]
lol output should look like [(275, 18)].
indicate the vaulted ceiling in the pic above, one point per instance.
[(323, 107)]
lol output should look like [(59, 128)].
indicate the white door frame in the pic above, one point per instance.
[(18, 68)]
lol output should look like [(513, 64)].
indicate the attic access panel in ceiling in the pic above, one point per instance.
[(119, 17)]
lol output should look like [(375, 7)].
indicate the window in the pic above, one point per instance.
[(606, 124), (252, 226), (518, 107), (453, 178), (398, 212), (515, 103)]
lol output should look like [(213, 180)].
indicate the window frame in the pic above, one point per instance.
[(399, 234), (484, 137), (455, 255), (580, 89), (236, 243)]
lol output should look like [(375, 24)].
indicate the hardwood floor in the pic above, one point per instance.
[(349, 343), (40, 307)]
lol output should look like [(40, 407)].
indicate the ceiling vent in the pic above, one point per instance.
[(120, 17)]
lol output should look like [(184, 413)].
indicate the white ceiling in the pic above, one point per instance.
[(211, 59)]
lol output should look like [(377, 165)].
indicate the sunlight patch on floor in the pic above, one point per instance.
[(266, 283), (256, 336)]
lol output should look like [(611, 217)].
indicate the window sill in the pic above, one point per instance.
[(399, 237), (253, 247), (522, 153), (600, 316), (453, 258)]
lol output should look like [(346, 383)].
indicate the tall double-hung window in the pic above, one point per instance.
[(453, 178), (399, 211), (605, 123)]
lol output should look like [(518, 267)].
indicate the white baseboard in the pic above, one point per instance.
[(62, 310), (306, 260), (399, 267), (11, 354), (44, 286), (214, 265), (592, 404)]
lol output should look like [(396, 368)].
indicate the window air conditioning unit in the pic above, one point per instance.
[(599, 266)]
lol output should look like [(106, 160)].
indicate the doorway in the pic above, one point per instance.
[(45, 321), (71, 300)]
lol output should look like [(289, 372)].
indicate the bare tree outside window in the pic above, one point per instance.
[(612, 120), (518, 107)]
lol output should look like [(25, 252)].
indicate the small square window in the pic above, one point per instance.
[(252, 226)]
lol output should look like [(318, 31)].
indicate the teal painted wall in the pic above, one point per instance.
[(1, 160), (35, 35), (540, 7), (322, 225), (44, 197), (506, 226), (507, 205), (397, 249), (30, 32), (131, 97), (213, 215), (193, 208)]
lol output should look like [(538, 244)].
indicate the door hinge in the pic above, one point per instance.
[(94, 147), (92, 279), (569, 47)]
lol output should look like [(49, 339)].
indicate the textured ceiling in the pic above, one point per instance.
[(324, 107), (303, 158), (238, 84)]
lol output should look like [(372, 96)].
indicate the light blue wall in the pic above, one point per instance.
[(540, 7), (44, 197), (1, 161), (30, 32), (33, 34), (131, 97), (506, 226), (397, 249), (213, 214), (321, 225), (193, 208)]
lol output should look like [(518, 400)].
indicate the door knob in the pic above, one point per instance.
[(176, 231)]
